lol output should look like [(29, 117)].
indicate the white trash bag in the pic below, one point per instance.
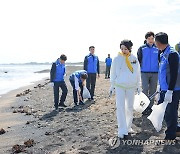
[(141, 102), (86, 93), (157, 115)]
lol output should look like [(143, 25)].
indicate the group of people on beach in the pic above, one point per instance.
[(77, 79), (157, 63)]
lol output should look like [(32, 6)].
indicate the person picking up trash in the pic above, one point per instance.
[(77, 80), (169, 80), (125, 78)]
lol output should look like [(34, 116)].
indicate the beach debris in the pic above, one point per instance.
[(24, 109), (29, 143), (21, 148), (18, 148), (23, 93), (27, 123), (26, 99), (48, 133), (2, 131), (18, 95), (14, 111)]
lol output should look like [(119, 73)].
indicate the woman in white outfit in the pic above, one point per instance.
[(125, 78)]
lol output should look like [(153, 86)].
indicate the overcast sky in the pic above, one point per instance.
[(41, 30)]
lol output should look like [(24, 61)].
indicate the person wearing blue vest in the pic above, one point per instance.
[(57, 77), (148, 58), (169, 80), (108, 62), (77, 80), (91, 65)]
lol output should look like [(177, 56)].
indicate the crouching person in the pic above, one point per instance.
[(57, 77), (125, 78), (77, 80)]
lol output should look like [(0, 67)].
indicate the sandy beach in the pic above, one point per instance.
[(81, 130)]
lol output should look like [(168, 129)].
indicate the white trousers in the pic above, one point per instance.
[(124, 112)]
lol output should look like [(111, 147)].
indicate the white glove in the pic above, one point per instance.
[(51, 84), (111, 91), (168, 96)]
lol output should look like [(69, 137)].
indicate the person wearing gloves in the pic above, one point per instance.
[(169, 80), (125, 78), (57, 78), (91, 65), (77, 80)]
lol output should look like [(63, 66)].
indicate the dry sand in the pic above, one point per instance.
[(81, 130)]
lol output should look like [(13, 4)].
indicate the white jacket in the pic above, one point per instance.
[(121, 76)]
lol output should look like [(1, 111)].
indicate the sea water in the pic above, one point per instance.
[(14, 76)]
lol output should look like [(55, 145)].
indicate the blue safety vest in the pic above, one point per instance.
[(149, 59), (164, 71), (92, 63), (60, 71), (108, 61), (78, 75)]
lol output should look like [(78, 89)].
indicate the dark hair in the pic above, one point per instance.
[(145, 41), (148, 34), (161, 37), (91, 47), (63, 57), (127, 43), (84, 76)]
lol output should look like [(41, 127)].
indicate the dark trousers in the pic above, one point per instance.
[(75, 91), (107, 74), (57, 85), (171, 114), (90, 83)]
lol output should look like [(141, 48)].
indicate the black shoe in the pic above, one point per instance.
[(81, 103), (170, 137), (89, 99), (75, 104), (56, 109), (62, 105)]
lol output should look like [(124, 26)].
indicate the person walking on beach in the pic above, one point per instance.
[(169, 80), (91, 65), (148, 58), (125, 78), (57, 77), (77, 80), (108, 62)]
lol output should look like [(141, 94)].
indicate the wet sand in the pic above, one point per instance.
[(81, 130)]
